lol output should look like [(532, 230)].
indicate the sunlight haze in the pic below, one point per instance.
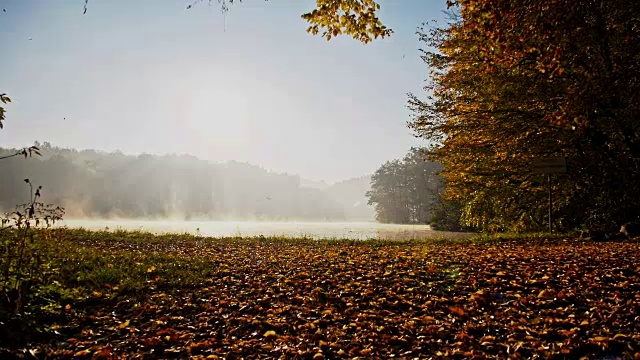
[(153, 77)]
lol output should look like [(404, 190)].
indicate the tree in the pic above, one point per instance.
[(4, 99), (405, 191), (331, 18), (357, 18), (515, 80)]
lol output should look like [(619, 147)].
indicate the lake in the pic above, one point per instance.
[(316, 230)]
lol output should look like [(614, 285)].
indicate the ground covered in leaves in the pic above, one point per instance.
[(134, 295)]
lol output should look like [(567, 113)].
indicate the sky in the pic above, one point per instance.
[(150, 76)]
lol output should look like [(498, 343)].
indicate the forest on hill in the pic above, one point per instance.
[(91, 183)]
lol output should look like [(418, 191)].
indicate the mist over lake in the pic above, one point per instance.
[(95, 184), (316, 230)]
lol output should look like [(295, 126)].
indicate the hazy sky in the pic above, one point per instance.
[(150, 76)]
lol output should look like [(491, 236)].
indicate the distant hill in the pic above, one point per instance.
[(91, 183)]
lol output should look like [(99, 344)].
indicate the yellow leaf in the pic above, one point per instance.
[(124, 324)]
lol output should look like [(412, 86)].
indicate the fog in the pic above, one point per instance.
[(355, 230), (280, 126), (150, 76), (96, 185)]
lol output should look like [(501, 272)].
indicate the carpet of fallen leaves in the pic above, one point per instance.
[(262, 298)]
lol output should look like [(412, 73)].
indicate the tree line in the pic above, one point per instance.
[(89, 183)]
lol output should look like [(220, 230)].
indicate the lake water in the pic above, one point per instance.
[(316, 230)]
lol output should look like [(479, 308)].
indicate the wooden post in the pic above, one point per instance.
[(548, 165)]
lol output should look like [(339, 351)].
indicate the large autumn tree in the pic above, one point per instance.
[(512, 80)]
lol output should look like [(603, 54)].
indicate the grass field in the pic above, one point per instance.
[(137, 295)]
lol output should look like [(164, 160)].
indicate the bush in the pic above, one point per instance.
[(22, 261), (446, 217)]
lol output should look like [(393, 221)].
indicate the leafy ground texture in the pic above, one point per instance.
[(135, 295)]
